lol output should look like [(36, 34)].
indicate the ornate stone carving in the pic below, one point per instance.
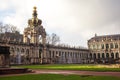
[(34, 21)]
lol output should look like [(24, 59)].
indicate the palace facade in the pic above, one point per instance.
[(26, 48), (104, 49)]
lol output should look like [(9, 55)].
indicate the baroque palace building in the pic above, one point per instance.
[(16, 48), (104, 49), (26, 48)]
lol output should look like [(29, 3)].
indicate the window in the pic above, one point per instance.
[(107, 46), (102, 46), (53, 54), (111, 45), (117, 55), (94, 56), (90, 55), (98, 55), (50, 54), (103, 56), (59, 53), (116, 45), (107, 55), (112, 55)]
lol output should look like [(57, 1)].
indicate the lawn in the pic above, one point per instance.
[(58, 77), (83, 67)]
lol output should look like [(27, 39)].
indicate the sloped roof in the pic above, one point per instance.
[(11, 36), (113, 37)]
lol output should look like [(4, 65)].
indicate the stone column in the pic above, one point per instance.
[(25, 39)]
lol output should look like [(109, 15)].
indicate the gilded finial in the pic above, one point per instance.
[(34, 8), (34, 12), (34, 21)]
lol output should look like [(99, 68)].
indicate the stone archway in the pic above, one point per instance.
[(117, 55), (117, 58), (94, 56), (35, 30), (28, 56), (103, 55), (112, 55), (18, 56), (103, 58), (112, 59), (98, 55), (90, 55), (107, 57)]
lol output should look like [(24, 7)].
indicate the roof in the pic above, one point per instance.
[(103, 37), (11, 36)]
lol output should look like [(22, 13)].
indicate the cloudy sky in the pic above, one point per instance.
[(75, 21)]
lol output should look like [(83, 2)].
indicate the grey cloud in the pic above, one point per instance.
[(74, 20)]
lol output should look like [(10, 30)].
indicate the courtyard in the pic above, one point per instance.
[(67, 72)]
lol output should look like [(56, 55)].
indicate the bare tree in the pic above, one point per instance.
[(1, 27), (48, 39), (54, 39), (8, 28), (13, 29)]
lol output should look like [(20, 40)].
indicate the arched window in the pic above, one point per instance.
[(111, 45), (90, 55), (102, 46), (65, 54), (103, 56), (116, 45), (40, 51), (98, 55), (94, 56), (117, 55), (53, 54), (112, 55), (50, 54), (59, 53), (107, 55), (107, 46), (62, 54)]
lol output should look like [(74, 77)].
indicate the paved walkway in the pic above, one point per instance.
[(67, 72)]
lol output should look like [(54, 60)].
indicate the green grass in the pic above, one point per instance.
[(58, 77), (83, 67)]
